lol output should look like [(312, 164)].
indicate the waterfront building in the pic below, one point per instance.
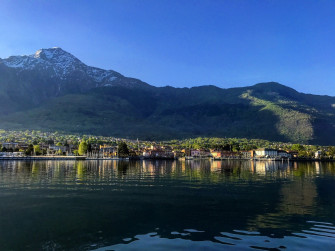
[(284, 154), (10, 145), (11, 154), (225, 154), (108, 151), (247, 154), (266, 152), (158, 153), (200, 153)]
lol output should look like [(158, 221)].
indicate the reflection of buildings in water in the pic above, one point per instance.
[(183, 166), (307, 169), (295, 165), (298, 197), (317, 167), (229, 165), (98, 170), (195, 164), (147, 168), (270, 168), (212, 171), (158, 168), (38, 171), (262, 167), (216, 166)]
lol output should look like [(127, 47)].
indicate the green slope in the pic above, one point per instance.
[(269, 111)]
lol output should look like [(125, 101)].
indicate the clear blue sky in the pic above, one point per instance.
[(184, 42)]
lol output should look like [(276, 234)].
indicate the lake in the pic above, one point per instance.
[(167, 205)]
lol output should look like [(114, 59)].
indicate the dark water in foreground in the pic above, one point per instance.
[(167, 205)]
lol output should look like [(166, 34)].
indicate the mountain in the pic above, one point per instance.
[(51, 73), (53, 90)]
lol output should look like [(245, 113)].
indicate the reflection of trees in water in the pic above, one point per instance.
[(41, 172), (297, 200), (297, 204), (202, 170), (122, 167), (298, 197)]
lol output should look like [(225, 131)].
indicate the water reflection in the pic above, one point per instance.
[(203, 171), (193, 204), (318, 234)]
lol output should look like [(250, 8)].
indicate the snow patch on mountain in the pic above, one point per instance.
[(19, 62), (61, 63), (100, 75)]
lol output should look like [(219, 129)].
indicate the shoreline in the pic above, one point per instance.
[(84, 158)]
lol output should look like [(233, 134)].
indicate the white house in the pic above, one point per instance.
[(266, 152)]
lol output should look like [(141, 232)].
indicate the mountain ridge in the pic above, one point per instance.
[(52, 89)]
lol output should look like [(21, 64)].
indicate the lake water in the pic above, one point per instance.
[(167, 205)]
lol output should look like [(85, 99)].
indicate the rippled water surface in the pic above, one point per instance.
[(167, 205)]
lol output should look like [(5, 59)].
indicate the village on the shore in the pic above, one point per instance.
[(17, 150), (41, 145)]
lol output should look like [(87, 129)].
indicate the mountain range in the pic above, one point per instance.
[(53, 90)]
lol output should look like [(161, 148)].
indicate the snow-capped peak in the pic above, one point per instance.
[(61, 63), (58, 66), (54, 54)]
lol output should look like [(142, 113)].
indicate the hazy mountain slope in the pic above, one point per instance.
[(52, 90)]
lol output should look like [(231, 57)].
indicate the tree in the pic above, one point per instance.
[(37, 149), (236, 148), (123, 150), (222, 147), (297, 147), (331, 151), (82, 148), (30, 149), (89, 147)]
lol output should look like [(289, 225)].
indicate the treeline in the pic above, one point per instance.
[(34, 139), (243, 144)]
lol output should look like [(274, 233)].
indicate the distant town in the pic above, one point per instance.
[(56, 145)]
